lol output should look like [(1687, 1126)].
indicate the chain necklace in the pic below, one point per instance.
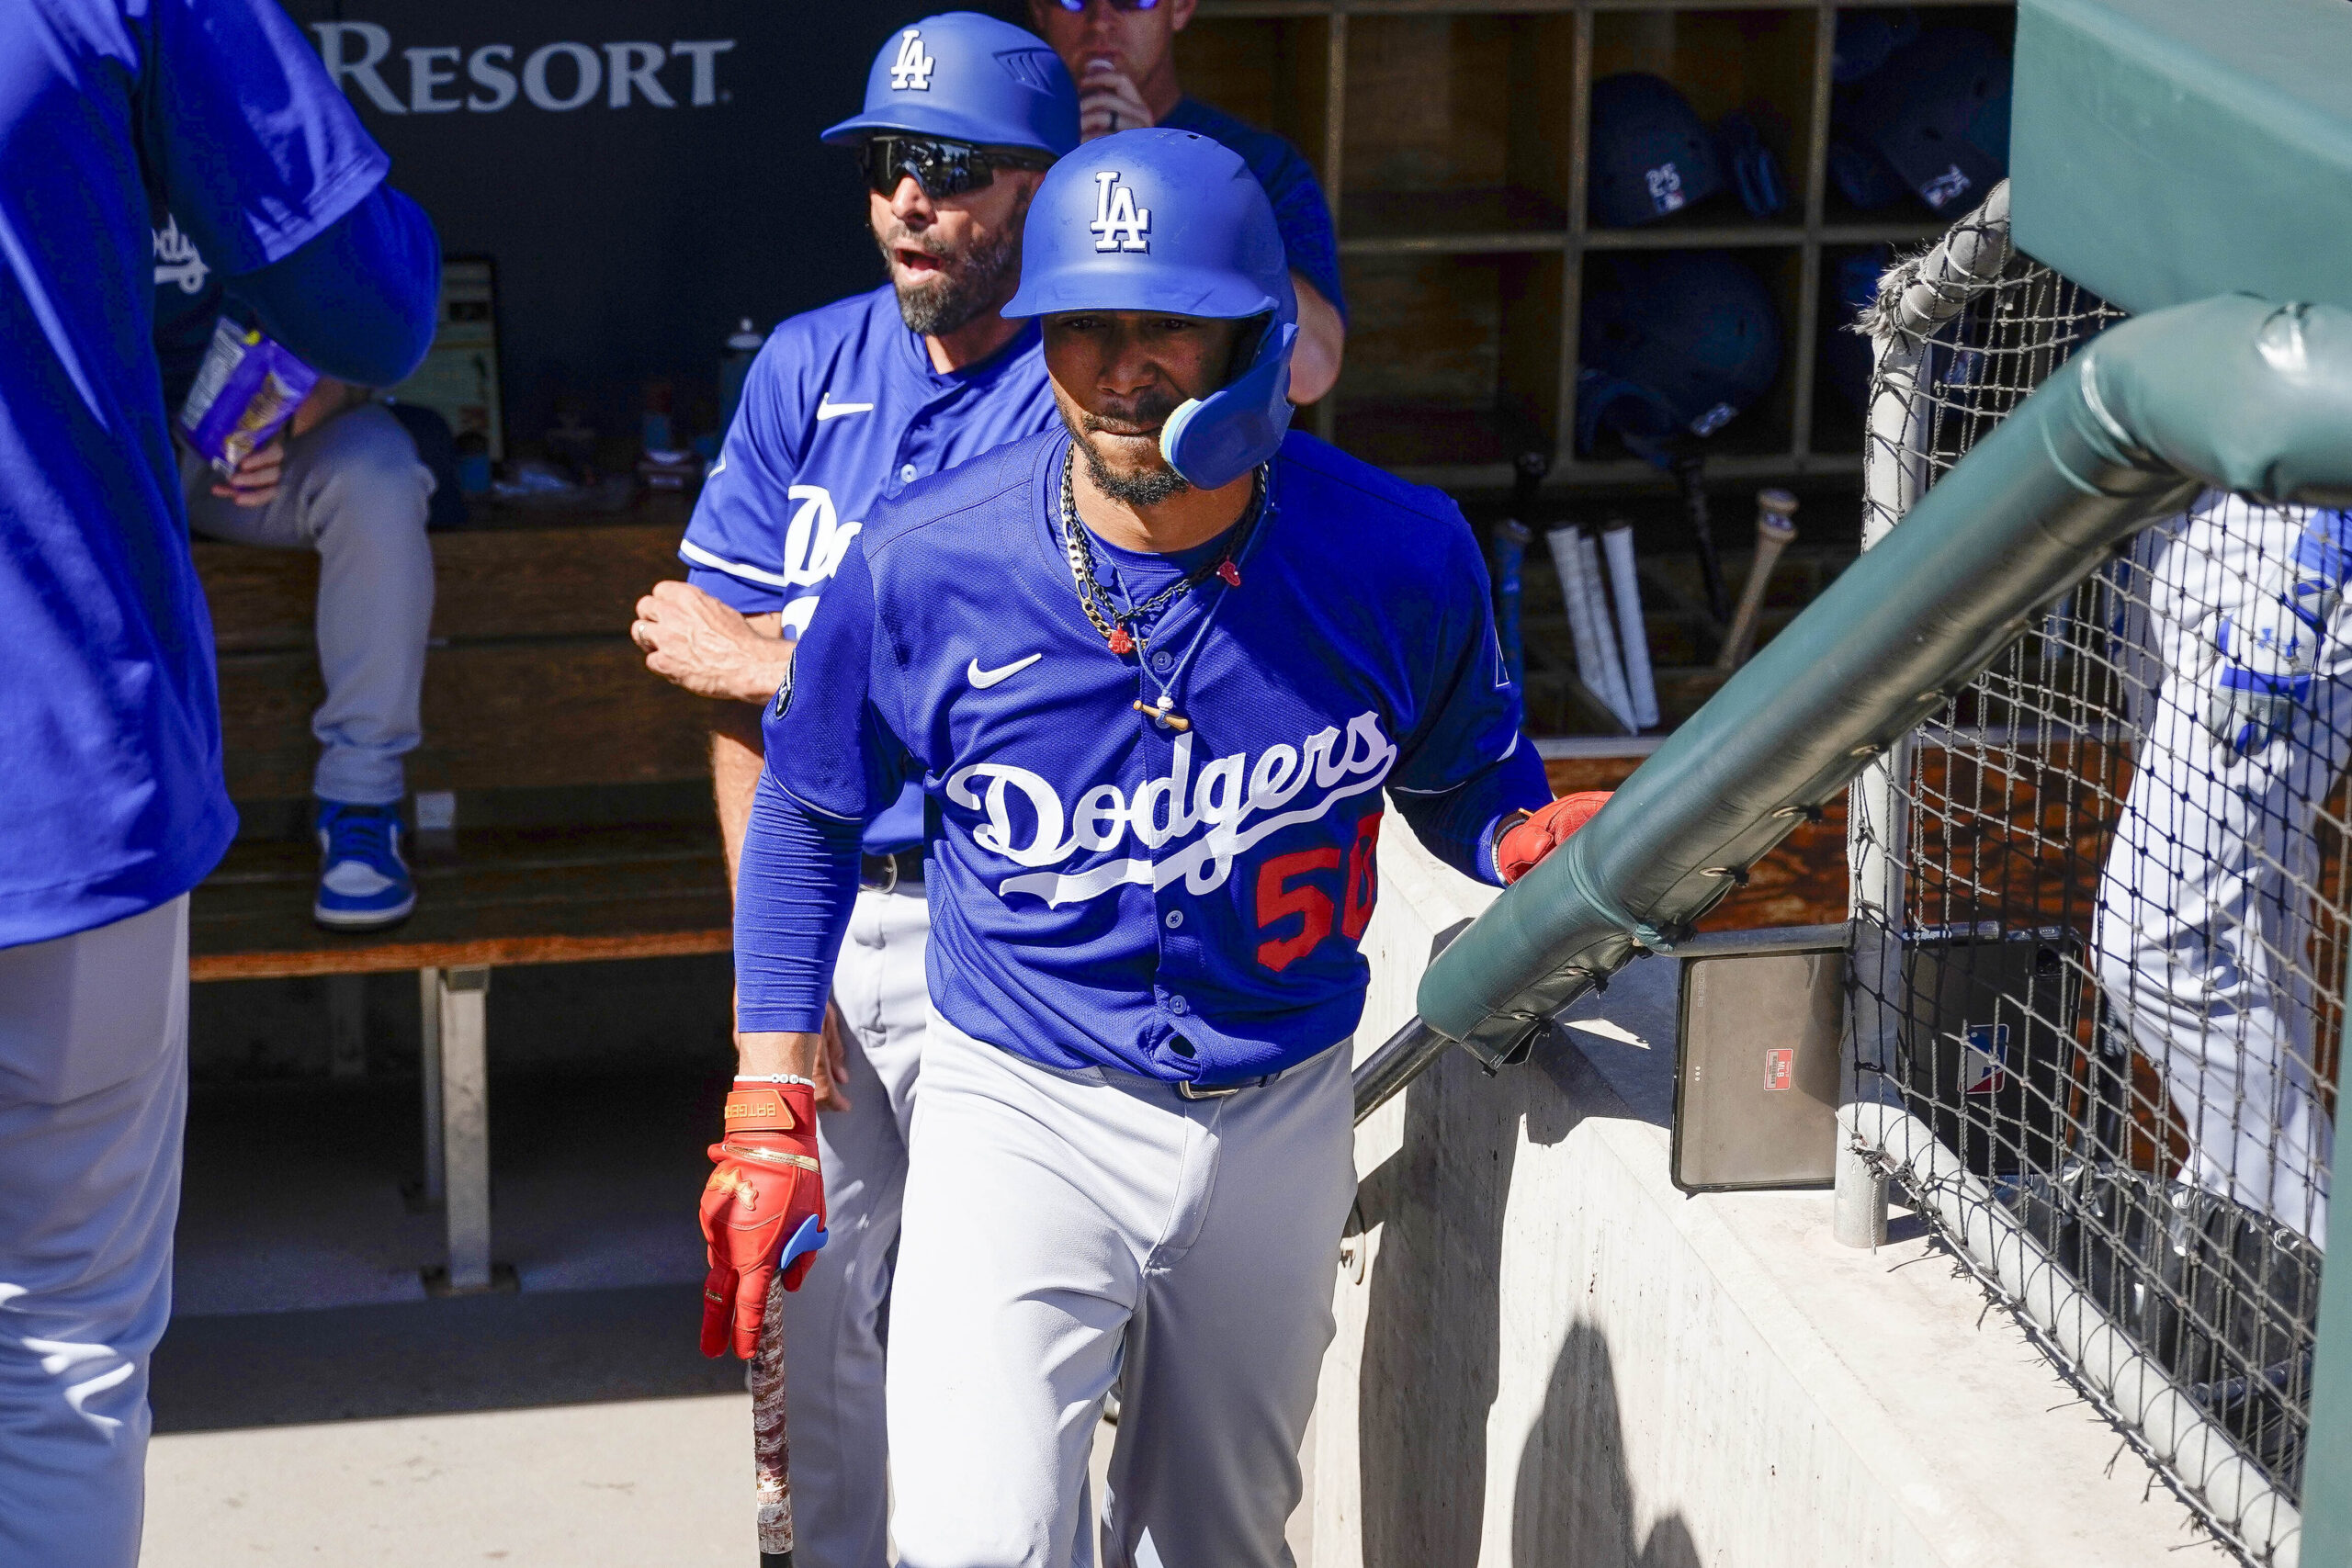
[(1114, 621)]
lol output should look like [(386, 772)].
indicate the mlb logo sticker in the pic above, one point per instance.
[(1666, 188), (1983, 1058), (912, 69), (1780, 1067), (1945, 188), (1119, 224)]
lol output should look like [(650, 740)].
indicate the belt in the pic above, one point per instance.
[(1194, 1092), (889, 873)]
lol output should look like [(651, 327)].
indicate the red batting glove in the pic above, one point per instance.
[(763, 1209), (1540, 833)]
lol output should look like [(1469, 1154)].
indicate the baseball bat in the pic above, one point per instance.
[(1578, 602), (1509, 550), (1612, 668), (1632, 630), (1689, 472), (771, 1443), (1774, 533)]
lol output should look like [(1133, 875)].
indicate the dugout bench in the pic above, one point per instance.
[(542, 722)]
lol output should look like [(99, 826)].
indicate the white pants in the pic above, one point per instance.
[(2204, 928), (1065, 1230), (93, 1104), (353, 491), (832, 1346)]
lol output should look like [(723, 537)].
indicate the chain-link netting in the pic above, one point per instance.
[(2106, 888)]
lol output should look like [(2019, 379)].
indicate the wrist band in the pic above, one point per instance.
[(776, 1078)]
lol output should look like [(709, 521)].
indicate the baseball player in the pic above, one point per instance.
[(1123, 54), (1153, 672), (345, 481), (844, 407), (111, 800), (2204, 928)]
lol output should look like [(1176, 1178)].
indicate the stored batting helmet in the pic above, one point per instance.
[(1170, 220), (1651, 153), (1936, 117), (1674, 344), (968, 78)]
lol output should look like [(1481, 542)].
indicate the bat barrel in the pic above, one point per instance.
[(1774, 533)]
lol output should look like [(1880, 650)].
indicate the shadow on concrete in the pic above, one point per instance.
[(1432, 1345), (435, 1357), (1575, 1500)]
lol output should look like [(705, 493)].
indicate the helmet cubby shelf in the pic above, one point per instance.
[(1488, 165)]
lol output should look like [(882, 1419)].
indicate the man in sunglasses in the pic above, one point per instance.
[(1122, 53), (844, 407)]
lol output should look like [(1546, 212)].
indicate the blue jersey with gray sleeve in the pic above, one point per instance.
[(842, 410), (1106, 891)]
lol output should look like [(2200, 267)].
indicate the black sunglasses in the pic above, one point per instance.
[(941, 168)]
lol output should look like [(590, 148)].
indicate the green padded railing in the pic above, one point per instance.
[(2233, 393)]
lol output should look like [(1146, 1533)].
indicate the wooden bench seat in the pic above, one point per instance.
[(532, 692), (498, 897)]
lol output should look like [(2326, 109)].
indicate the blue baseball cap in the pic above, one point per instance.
[(965, 77)]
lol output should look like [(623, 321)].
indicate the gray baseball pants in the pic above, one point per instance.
[(93, 1107), (353, 491), (832, 1325), (1066, 1229)]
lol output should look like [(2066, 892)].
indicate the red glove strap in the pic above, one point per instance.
[(1523, 847), (765, 1108)]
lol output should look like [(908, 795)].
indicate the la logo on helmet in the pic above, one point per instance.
[(1119, 224), (911, 70)]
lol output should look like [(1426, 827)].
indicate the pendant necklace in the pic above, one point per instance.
[(1121, 625)]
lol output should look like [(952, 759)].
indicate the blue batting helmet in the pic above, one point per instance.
[(1170, 220), (1651, 153), (1933, 120), (1865, 40), (1674, 343), (968, 78)]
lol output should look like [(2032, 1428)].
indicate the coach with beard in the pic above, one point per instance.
[(844, 407)]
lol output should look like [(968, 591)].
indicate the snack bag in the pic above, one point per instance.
[(246, 390)]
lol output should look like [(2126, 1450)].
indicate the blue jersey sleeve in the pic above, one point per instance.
[(359, 301), (1465, 765), (793, 898), (242, 136), (1300, 211), (735, 543)]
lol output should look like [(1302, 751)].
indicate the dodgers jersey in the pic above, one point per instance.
[(111, 800), (842, 410), (1185, 905)]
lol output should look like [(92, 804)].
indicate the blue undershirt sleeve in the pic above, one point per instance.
[(834, 762), (792, 904), (359, 301)]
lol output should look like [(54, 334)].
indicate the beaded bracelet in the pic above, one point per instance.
[(776, 1078)]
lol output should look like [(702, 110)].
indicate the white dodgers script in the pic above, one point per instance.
[(1233, 801)]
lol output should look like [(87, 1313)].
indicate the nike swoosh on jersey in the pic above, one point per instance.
[(984, 679), (827, 409)]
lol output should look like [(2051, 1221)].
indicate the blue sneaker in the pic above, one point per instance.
[(363, 881)]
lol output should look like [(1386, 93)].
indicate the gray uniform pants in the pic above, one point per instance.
[(353, 491), (1066, 1229), (832, 1325), (93, 1105)]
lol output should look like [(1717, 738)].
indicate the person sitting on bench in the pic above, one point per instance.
[(345, 481)]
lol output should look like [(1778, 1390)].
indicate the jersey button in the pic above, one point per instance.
[(1178, 1006), (907, 475), (1175, 917), (1162, 660)]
